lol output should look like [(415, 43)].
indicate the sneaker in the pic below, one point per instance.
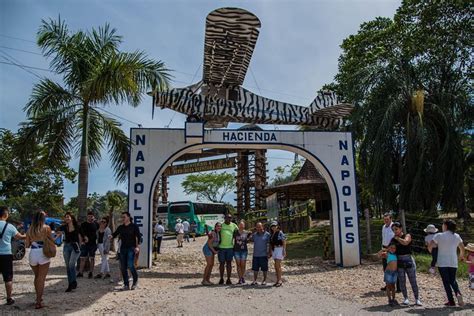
[(79, 275), (418, 303), (221, 281), (390, 303), (395, 302), (69, 289), (460, 300), (90, 275), (240, 281), (205, 283), (125, 288), (432, 270), (10, 301), (243, 281), (134, 286), (98, 276), (228, 282), (447, 304), (406, 302), (264, 283), (106, 276), (254, 283), (74, 285)]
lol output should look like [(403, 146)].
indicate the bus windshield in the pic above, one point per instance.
[(179, 208)]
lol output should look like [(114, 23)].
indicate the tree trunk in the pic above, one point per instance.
[(462, 211), (83, 168)]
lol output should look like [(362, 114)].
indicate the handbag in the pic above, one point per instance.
[(76, 247), (49, 247)]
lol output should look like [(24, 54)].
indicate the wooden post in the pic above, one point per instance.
[(403, 221), (369, 237)]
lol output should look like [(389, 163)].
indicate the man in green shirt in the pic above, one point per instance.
[(226, 248)]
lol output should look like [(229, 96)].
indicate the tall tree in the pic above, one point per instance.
[(95, 74), (27, 183), (209, 186), (410, 80)]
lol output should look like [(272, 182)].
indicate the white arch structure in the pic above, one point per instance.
[(152, 150)]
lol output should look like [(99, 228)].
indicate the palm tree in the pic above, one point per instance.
[(115, 201), (67, 117)]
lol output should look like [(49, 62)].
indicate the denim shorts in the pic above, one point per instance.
[(390, 277), (225, 255), (207, 251), (240, 255), (260, 263)]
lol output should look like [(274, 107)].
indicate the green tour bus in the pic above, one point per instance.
[(206, 215)]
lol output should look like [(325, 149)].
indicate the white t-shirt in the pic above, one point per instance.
[(186, 226), (428, 239), (447, 249), (159, 230), (179, 228), (387, 234)]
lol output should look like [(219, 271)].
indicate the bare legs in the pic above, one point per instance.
[(255, 275), (278, 271), (9, 289), (240, 268), (40, 272), (390, 289), (208, 270)]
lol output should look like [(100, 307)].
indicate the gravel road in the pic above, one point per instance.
[(172, 286)]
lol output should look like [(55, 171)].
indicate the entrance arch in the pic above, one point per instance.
[(153, 150)]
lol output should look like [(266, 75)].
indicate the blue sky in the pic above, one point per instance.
[(296, 53)]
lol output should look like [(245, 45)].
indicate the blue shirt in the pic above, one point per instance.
[(6, 241), (260, 244)]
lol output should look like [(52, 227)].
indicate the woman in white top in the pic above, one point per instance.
[(39, 263), (448, 242)]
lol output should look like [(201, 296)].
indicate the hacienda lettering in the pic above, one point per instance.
[(249, 136)]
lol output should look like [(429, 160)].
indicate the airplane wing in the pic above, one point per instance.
[(231, 34)]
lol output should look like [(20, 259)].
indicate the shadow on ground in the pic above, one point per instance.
[(436, 311)]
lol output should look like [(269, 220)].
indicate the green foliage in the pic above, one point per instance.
[(67, 116), (28, 183), (410, 153), (287, 173), (209, 186)]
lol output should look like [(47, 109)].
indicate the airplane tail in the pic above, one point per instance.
[(324, 99)]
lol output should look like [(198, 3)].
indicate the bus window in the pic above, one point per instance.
[(179, 208)]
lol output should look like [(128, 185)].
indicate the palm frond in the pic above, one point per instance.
[(118, 145), (54, 129), (46, 96), (124, 77)]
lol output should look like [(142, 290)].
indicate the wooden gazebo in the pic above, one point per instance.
[(308, 184)]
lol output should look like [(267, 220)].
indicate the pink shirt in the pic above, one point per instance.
[(471, 266)]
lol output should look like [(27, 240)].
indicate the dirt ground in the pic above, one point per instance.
[(172, 286)]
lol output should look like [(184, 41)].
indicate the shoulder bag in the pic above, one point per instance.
[(49, 247)]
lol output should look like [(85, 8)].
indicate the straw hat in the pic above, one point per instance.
[(178, 220), (430, 229), (469, 247)]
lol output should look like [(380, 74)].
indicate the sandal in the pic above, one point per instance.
[(278, 284)]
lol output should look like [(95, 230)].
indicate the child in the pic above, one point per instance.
[(431, 230), (470, 261), (391, 272)]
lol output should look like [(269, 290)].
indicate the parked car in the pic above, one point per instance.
[(18, 249)]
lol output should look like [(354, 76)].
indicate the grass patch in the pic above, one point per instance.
[(423, 262), (306, 244)]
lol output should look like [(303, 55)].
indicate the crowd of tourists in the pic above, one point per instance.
[(81, 242), (398, 261), (229, 242)]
